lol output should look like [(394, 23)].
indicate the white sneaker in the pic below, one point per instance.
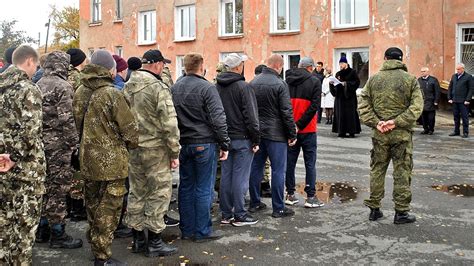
[(313, 202), (291, 199)]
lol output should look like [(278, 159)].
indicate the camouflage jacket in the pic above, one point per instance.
[(109, 126), (152, 105), (166, 77), (20, 127), (74, 77), (391, 94), (58, 121)]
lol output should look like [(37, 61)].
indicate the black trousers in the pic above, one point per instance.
[(428, 118)]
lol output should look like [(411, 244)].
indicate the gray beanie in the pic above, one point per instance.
[(103, 58)]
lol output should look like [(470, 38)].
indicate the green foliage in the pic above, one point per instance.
[(66, 24), (10, 37)]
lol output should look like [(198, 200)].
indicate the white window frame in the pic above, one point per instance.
[(336, 13), (348, 51), (148, 37), (118, 10), (96, 11), (119, 50), (274, 17), (286, 59), (222, 19), (190, 12), (460, 43), (179, 66)]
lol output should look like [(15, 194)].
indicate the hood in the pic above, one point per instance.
[(56, 64), (227, 78), (95, 77), (296, 76), (11, 77), (140, 79), (393, 65)]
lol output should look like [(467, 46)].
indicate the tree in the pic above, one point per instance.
[(66, 23), (10, 37)]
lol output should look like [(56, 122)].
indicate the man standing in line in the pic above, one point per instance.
[(305, 94), (122, 71), (391, 102), (430, 89), (240, 108), (157, 153), (22, 160), (203, 131), (319, 73), (460, 91), (277, 131)]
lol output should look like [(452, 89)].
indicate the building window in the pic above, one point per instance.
[(465, 47), (290, 60), (96, 11), (119, 50), (185, 22), (358, 59), (350, 13), (231, 19), (285, 15), (147, 27), (180, 70), (118, 10)]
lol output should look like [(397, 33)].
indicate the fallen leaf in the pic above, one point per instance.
[(460, 254), (277, 248), (260, 238), (181, 257), (205, 252), (250, 258)]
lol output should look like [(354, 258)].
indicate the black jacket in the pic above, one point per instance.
[(201, 117), (461, 90), (430, 89), (240, 106), (305, 93), (274, 107)]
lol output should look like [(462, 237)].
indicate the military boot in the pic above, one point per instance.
[(403, 218), (59, 238), (375, 214), (139, 241), (157, 247), (78, 210), (43, 232)]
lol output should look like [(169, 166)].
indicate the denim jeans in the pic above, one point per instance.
[(197, 174), (460, 110), (235, 179), (308, 143), (276, 152)]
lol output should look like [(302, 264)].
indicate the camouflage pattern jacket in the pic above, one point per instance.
[(152, 105), (391, 94), (166, 77), (20, 127), (59, 129), (109, 126), (74, 77)]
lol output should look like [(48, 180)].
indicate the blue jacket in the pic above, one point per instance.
[(119, 82)]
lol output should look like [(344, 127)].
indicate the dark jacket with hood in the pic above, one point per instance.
[(305, 94), (274, 107), (201, 116), (240, 106)]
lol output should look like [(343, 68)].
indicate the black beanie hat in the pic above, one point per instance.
[(134, 63), (77, 56), (394, 53), (9, 55)]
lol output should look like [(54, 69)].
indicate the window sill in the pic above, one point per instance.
[(285, 33), (95, 24), (350, 28), (146, 43), (185, 40), (117, 20), (227, 37)]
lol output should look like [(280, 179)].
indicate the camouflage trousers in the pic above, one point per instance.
[(150, 189), (58, 184), (395, 146), (104, 201), (19, 218), (77, 186)]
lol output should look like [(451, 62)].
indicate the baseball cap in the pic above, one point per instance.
[(154, 56), (233, 60), (306, 62), (394, 53)]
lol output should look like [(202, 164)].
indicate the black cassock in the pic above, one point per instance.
[(346, 117)]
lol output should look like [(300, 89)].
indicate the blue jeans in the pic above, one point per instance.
[(277, 152), (460, 110), (235, 179), (197, 175), (307, 142)]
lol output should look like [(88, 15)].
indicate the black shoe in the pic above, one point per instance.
[(403, 218), (341, 135), (170, 222), (260, 207), (43, 234), (139, 241), (157, 247), (174, 185), (430, 132), (173, 200), (187, 237), (59, 239), (454, 134), (424, 132), (351, 136), (78, 210), (109, 262), (283, 213), (123, 231), (213, 236), (375, 214), (465, 136), (244, 220)]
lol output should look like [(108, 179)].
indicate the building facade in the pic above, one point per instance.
[(433, 33)]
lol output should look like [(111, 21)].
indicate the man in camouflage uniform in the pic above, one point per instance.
[(391, 102), (60, 138), (22, 161), (166, 77), (108, 131), (157, 152), (78, 62)]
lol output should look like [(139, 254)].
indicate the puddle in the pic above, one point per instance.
[(332, 192), (462, 190)]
